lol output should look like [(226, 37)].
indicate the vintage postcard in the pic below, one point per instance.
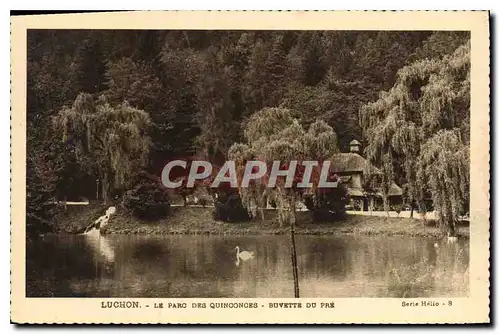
[(250, 167)]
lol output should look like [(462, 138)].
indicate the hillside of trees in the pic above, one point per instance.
[(104, 106)]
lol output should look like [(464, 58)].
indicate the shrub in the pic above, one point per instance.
[(39, 218), (327, 204), (203, 202), (147, 200), (228, 208)]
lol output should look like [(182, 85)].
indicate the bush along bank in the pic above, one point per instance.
[(199, 220)]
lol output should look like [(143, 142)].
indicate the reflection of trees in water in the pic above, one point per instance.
[(170, 266), (203, 266), (440, 271), (150, 251), (323, 256), (269, 273), (378, 266), (452, 269), (392, 263), (53, 264), (194, 266)]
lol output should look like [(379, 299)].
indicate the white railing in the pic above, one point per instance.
[(402, 214), (69, 203)]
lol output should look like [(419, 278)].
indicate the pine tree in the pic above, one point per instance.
[(89, 67), (274, 79)]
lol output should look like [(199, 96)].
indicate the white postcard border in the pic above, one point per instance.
[(472, 309)]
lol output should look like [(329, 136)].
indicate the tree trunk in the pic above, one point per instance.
[(294, 262), (453, 231), (451, 227), (104, 193), (291, 207), (293, 249), (386, 203), (104, 189), (262, 206), (97, 191), (411, 212)]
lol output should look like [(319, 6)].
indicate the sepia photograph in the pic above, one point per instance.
[(107, 110), (213, 168)]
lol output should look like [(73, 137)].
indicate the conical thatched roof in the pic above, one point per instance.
[(352, 162), (395, 190)]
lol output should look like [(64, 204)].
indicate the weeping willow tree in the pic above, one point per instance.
[(253, 197), (418, 132), (267, 133), (111, 142), (272, 134), (444, 167)]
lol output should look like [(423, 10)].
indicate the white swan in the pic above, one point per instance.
[(243, 255)]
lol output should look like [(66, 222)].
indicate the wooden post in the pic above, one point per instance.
[(294, 251), (97, 191), (294, 264)]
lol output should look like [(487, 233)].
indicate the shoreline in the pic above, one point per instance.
[(199, 221)]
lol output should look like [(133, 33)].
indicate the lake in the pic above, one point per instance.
[(206, 266)]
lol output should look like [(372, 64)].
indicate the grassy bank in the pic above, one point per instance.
[(197, 220)]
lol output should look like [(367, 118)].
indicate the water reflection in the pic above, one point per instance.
[(205, 266)]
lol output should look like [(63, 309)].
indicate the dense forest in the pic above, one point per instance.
[(104, 106)]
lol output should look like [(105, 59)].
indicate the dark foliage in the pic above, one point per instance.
[(148, 200), (203, 202), (328, 204), (199, 88), (228, 208), (38, 218)]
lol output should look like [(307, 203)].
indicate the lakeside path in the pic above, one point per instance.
[(198, 220)]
